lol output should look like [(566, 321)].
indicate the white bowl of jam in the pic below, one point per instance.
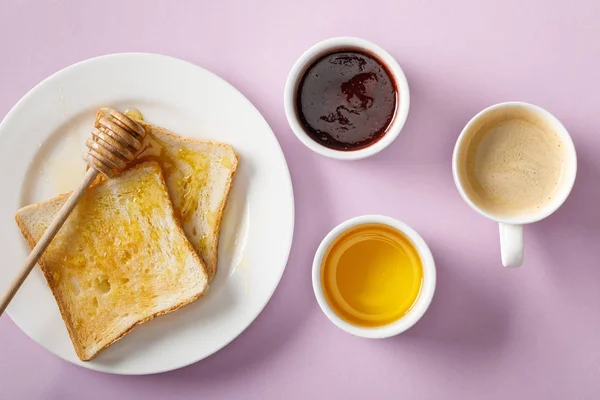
[(374, 276), (346, 98)]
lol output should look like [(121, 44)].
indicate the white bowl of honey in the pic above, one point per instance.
[(374, 276)]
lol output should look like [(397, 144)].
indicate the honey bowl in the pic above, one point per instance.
[(373, 276)]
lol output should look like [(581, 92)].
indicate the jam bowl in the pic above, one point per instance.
[(346, 98)]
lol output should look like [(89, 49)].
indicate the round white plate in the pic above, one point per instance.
[(41, 143)]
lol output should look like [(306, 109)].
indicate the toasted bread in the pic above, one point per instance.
[(121, 258), (199, 175)]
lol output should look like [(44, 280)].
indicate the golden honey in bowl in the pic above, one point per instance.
[(371, 275)]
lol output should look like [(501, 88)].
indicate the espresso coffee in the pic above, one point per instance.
[(513, 163)]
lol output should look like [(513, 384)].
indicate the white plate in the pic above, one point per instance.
[(41, 143)]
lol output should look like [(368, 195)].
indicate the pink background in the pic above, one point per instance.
[(491, 332)]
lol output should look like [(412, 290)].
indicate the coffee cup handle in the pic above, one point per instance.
[(511, 245)]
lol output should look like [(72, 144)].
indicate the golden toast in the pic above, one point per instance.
[(121, 258), (199, 175)]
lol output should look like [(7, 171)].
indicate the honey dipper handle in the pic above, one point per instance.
[(46, 238)]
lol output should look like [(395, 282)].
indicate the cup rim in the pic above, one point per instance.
[(339, 43), (569, 179), (419, 307)]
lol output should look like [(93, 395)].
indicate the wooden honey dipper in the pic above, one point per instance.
[(116, 140)]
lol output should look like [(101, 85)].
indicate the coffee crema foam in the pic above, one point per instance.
[(513, 163)]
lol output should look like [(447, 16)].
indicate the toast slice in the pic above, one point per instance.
[(121, 258), (199, 175)]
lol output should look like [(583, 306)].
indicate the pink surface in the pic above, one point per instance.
[(491, 332)]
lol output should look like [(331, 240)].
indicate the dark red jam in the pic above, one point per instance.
[(346, 100)]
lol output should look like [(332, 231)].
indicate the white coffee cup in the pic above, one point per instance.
[(511, 228)]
